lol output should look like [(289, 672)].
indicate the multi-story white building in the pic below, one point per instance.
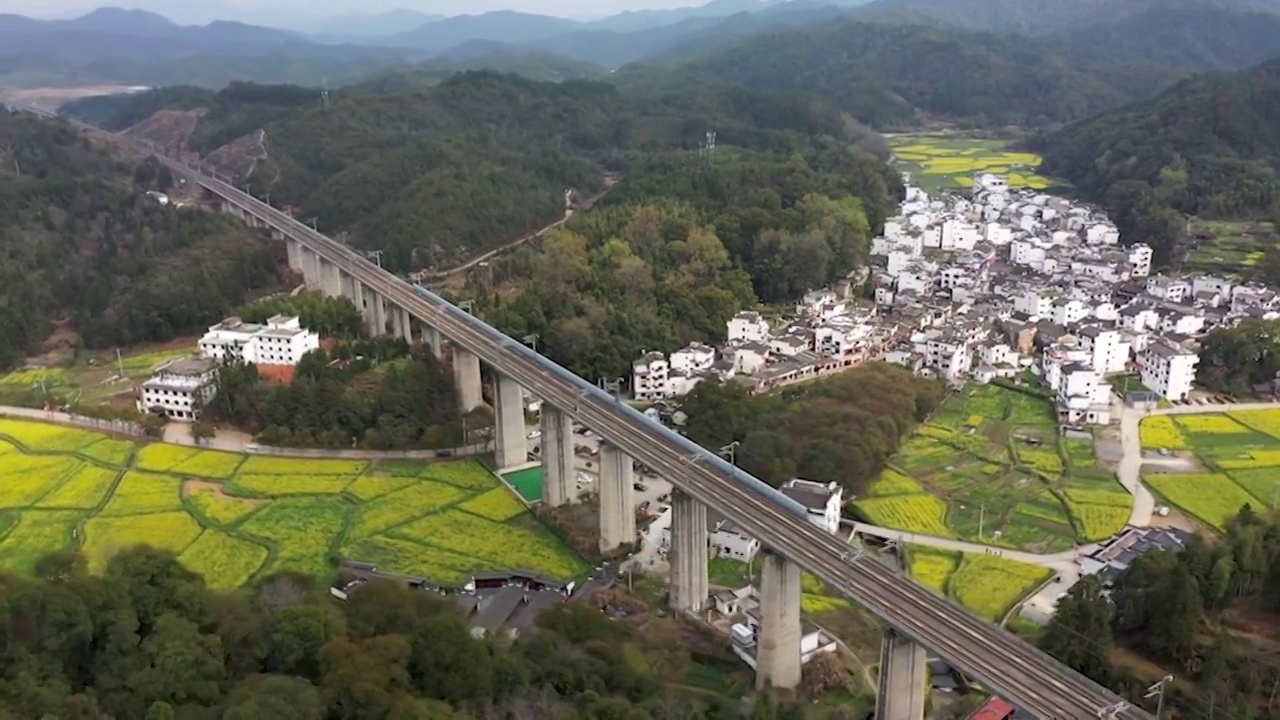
[(1069, 311), (1139, 260), (748, 327), (282, 341), (1167, 288), (1109, 353), (694, 358), (1168, 369), (649, 376), (179, 388)]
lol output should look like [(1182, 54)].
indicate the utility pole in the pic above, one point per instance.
[(531, 340), (119, 362), (982, 516), (376, 255), (1158, 691), (467, 306)]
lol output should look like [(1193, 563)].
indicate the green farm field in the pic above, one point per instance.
[(988, 586), (1231, 247), (942, 163), (92, 378), (236, 518), (1240, 452), (989, 466)]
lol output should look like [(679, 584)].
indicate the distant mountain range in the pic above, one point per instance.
[(1097, 52)]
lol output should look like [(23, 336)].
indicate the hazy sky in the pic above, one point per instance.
[(283, 12)]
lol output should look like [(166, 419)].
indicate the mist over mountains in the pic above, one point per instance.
[(1098, 52)]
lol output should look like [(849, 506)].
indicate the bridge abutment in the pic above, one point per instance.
[(617, 515), (903, 673), (510, 448), (466, 376), (778, 648), (688, 553), (557, 457)]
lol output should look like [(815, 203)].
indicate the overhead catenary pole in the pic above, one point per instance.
[(1157, 690), (729, 450)]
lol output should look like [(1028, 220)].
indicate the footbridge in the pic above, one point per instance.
[(915, 618)]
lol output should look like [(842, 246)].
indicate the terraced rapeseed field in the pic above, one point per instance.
[(235, 519), (1161, 432), (944, 163), (1213, 498)]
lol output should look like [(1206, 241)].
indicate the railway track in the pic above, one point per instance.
[(1005, 664)]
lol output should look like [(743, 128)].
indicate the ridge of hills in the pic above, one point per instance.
[(432, 175), (891, 76), (1208, 146), (1097, 53)]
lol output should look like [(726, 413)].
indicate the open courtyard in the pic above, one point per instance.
[(990, 466), (235, 518)]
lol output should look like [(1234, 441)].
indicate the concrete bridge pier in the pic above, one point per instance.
[(778, 647), (332, 277), (431, 337), (379, 314), (466, 376), (406, 324), (617, 514), (311, 269), (397, 320), (349, 288), (510, 448), (367, 305), (293, 249), (557, 457), (904, 671), (688, 553)]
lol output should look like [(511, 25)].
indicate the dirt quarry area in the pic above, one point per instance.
[(51, 98)]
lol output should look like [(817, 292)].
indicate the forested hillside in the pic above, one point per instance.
[(683, 244), (840, 429), (1041, 17), (147, 639), (1205, 614), (888, 75), (83, 243), (1207, 146), (430, 175)]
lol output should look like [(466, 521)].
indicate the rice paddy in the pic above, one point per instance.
[(941, 163), (236, 519)]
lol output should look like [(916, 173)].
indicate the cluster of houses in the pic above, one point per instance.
[(981, 287), (179, 388)]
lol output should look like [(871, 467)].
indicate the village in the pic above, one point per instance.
[(986, 287)]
